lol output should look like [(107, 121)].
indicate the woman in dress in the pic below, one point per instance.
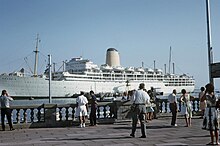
[(202, 104), (186, 109), (211, 113)]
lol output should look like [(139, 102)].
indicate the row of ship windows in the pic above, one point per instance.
[(8, 79), (136, 78), (186, 84), (171, 81)]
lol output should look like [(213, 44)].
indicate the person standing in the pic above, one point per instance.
[(173, 107), (211, 113), (140, 98), (202, 104), (94, 104), (5, 109), (186, 108), (82, 105)]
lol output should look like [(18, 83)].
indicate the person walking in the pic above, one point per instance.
[(5, 109), (140, 98), (186, 108), (211, 113), (82, 108), (173, 107), (94, 103)]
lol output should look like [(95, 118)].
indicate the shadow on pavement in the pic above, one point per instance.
[(83, 139)]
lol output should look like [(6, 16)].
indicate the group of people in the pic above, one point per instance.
[(82, 109), (81, 112), (186, 107), (209, 106)]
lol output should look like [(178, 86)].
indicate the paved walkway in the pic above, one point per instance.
[(159, 133)]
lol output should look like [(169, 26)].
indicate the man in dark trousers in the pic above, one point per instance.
[(5, 109), (173, 107), (140, 98), (94, 104)]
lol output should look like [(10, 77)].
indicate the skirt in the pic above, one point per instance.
[(186, 110), (211, 118)]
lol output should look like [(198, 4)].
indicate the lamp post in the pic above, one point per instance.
[(210, 53)]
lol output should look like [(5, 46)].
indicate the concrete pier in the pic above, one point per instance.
[(159, 133)]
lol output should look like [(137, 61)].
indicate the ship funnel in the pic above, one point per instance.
[(112, 57)]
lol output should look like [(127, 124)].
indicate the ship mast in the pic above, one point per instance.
[(36, 56), (169, 61), (210, 54)]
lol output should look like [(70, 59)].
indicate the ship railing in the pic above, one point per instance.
[(55, 115)]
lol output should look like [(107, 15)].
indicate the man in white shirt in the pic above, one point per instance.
[(82, 106), (173, 107), (140, 98)]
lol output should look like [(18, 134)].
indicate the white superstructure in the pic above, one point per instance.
[(83, 75)]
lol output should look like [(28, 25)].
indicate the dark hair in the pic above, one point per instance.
[(91, 92), (183, 91), (209, 88), (202, 88), (82, 93), (4, 92), (141, 86)]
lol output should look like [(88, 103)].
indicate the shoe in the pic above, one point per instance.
[(211, 143), (11, 129), (80, 126), (175, 125), (143, 136), (84, 125), (132, 135)]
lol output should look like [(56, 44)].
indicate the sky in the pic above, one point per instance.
[(141, 31)]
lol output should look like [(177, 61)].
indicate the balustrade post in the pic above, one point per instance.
[(18, 115), (67, 113), (32, 114), (73, 113), (104, 111), (98, 112), (161, 106), (25, 116), (60, 114)]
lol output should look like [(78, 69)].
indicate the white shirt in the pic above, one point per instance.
[(81, 100), (172, 98), (141, 97), (5, 101)]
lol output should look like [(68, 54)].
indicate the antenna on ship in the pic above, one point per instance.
[(50, 75), (36, 56)]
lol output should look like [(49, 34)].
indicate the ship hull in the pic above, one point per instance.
[(39, 87)]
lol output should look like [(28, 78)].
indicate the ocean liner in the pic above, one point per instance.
[(83, 75)]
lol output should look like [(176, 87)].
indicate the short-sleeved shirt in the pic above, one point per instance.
[(81, 109), (141, 97), (172, 98), (5, 101), (81, 100)]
